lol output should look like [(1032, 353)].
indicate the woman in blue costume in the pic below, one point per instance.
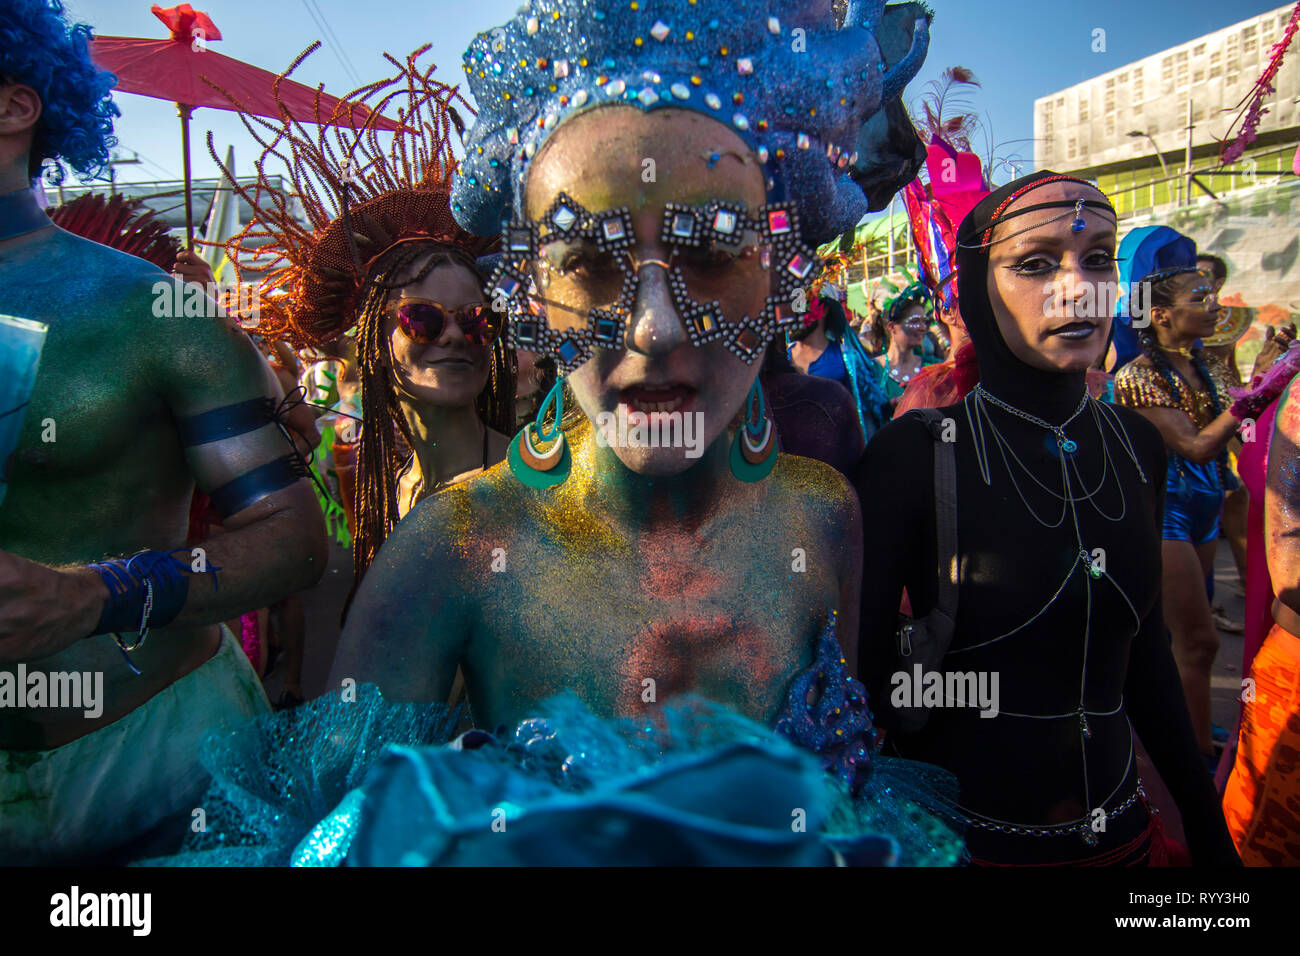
[(644, 588), (827, 347)]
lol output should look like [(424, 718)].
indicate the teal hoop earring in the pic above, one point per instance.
[(754, 451), (538, 456)]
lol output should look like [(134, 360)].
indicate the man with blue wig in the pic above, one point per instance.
[(132, 405)]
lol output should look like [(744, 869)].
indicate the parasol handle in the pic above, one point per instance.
[(184, 112)]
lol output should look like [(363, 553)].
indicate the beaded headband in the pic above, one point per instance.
[(1076, 208), (796, 89), (1078, 205)]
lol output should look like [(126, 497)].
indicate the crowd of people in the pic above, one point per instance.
[(654, 539)]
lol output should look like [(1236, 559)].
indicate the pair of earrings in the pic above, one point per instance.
[(539, 455)]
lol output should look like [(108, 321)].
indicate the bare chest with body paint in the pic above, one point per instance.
[(626, 620)]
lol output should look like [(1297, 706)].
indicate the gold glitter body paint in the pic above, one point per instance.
[(623, 613)]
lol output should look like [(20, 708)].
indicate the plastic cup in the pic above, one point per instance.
[(21, 341)]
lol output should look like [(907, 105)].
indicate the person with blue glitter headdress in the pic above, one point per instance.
[(1183, 391), (131, 406), (681, 596)]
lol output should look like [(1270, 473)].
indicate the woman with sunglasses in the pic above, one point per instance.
[(905, 332), (386, 263), (441, 364)]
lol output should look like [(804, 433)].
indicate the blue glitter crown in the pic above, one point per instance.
[(797, 89)]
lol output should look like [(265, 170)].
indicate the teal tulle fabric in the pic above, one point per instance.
[(362, 781)]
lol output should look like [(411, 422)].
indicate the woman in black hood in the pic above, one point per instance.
[(1058, 642)]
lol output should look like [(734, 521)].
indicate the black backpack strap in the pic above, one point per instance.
[(945, 512)]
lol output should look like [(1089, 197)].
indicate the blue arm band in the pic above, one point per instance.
[(126, 581), (234, 496), (226, 422)]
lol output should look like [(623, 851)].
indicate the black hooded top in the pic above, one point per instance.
[(1011, 768)]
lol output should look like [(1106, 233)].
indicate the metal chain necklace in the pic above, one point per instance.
[(1065, 444)]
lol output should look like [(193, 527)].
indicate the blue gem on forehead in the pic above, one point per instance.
[(1078, 225)]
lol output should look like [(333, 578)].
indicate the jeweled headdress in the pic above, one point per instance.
[(797, 89), (360, 200)]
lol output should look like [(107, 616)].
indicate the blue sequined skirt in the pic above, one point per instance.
[(362, 781)]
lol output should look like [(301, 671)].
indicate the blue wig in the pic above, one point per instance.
[(40, 49)]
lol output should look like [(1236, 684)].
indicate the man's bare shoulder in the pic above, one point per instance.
[(63, 277)]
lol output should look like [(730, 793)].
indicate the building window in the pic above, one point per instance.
[(1182, 75), (1199, 50), (1123, 77), (1060, 102), (1110, 126), (1083, 110), (1198, 76), (1110, 101), (1074, 148)]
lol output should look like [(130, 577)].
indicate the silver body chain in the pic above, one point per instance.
[(980, 420)]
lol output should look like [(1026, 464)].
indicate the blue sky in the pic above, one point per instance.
[(1019, 50)]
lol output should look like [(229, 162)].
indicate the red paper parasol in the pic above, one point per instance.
[(177, 69)]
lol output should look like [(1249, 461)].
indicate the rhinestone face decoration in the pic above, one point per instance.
[(775, 228), (564, 218)]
